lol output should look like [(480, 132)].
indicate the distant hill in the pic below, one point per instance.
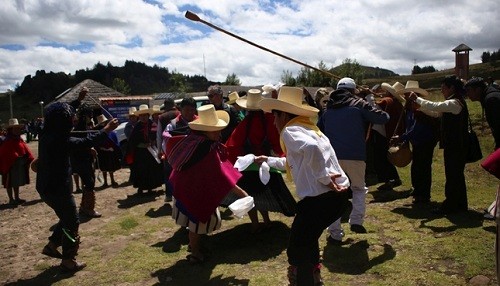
[(370, 72), (26, 104), (433, 80)]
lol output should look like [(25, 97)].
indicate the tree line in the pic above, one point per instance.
[(138, 78), (132, 78), (487, 57)]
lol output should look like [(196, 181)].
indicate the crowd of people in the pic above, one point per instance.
[(325, 145)]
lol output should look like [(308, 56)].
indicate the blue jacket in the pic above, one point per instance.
[(345, 122)]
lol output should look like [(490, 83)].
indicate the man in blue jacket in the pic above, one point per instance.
[(345, 122)]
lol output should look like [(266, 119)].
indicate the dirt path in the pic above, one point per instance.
[(24, 229)]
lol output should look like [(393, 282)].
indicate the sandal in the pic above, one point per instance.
[(194, 259), (51, 252)]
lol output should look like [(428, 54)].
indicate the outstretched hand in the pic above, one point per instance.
[(112, 124), (334, 186)]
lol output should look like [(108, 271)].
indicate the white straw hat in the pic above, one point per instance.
[(251, 100), (289, 100), (143, 109), (209, 119), (232, 97), (412, 85)]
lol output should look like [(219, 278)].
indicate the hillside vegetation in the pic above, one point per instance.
[(27, 106)]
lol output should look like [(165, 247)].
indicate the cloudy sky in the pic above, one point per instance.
[(68, 35)]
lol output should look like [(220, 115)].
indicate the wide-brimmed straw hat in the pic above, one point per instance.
[(289, 100), (13, 122), (156, 110), (101, 119), (143, 109), (412, 85), (232, 97), (210, 119), (395, 90), (251, 100), (131, 111)]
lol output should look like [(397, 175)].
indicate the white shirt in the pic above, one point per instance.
[(435, 109), (312, 160)]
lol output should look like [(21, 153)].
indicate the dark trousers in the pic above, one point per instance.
[(64, 206), (421, 169), (385, 170), (314, 214), (455, 189), (86, 172)]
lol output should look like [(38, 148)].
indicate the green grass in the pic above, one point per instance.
[(405, 245)]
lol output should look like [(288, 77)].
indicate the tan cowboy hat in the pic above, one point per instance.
[(156, 110), (13, 122), (395, 90), (143, 109), (289, 100), (131, 111), (101, 119), (209, 119), (232, 97), (412, 85), (251, 100)]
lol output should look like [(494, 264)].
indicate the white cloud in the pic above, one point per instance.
[(68, 35)]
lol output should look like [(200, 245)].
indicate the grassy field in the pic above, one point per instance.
[(139, 244)]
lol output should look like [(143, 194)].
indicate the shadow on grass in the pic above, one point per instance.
[(47, 277), (175, 242), (384, 196), (353, 258), (491, 228), (232, 246), (469, 219), (138, 199), (164, 210)]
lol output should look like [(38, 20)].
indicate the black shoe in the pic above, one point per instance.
[(389, 185), (446, 211), (420, 200), (396, 183), (20, 201), (332, 241), (78, 191), (357, 228)]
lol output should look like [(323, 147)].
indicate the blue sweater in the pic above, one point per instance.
[(345, 123)]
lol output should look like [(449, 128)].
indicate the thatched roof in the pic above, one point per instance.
[(96, 91)]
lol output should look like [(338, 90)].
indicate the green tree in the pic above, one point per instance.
[(179, 83), (232, 79), (287, 78), (120, 85), (350, 68)]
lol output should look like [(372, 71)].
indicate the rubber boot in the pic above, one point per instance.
[(88, 204), (70, 246)]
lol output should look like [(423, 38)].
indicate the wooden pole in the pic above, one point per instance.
[(193, 17)]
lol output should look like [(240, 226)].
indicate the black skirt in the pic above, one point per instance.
[(109, 161), (147, 173), (273, 197)]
